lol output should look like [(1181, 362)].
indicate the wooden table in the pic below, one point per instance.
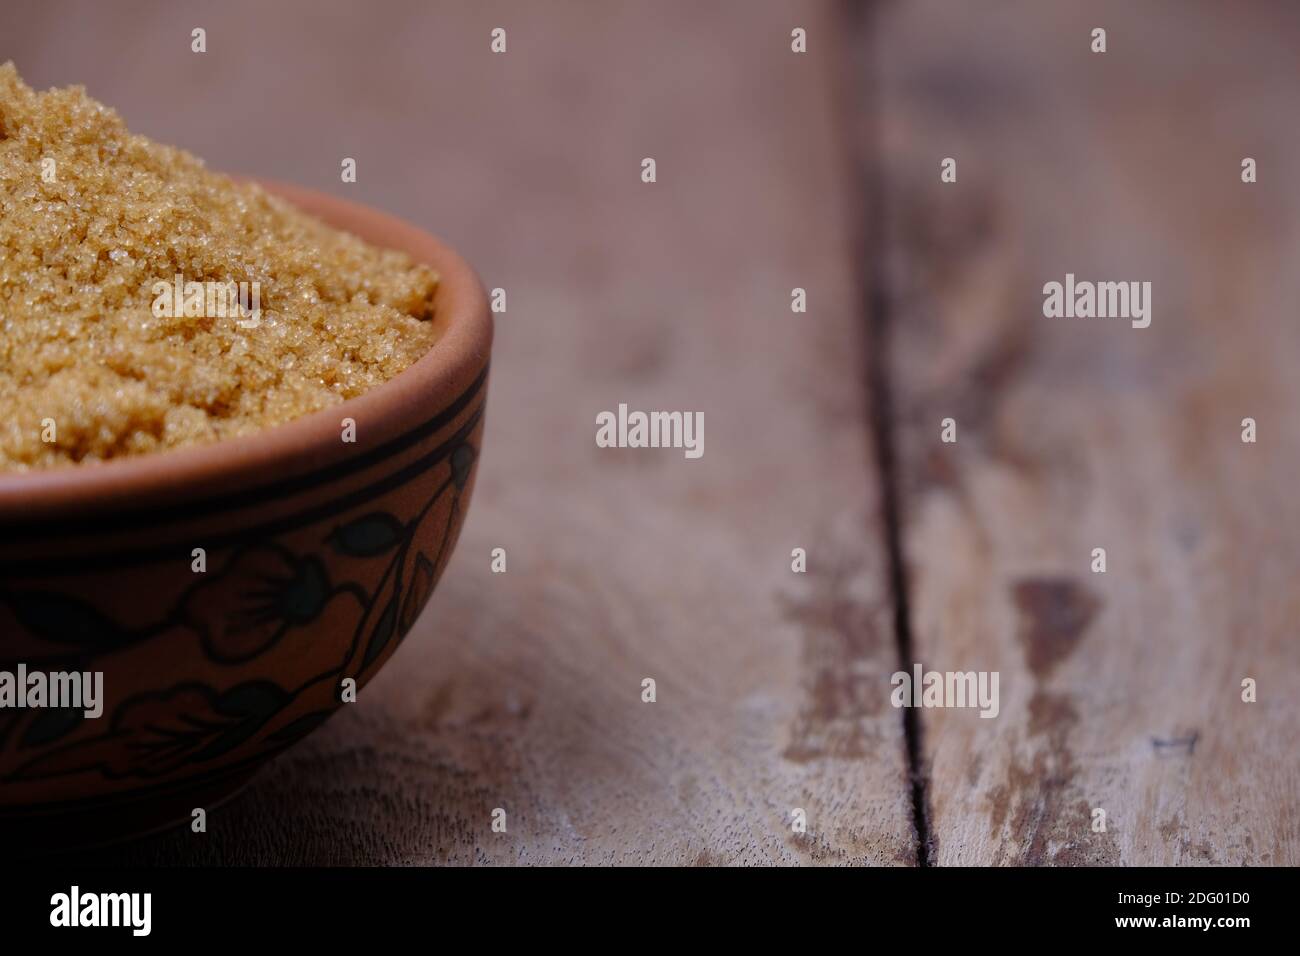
[(775, 170)]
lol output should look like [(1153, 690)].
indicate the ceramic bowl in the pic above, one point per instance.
[(320, 555)]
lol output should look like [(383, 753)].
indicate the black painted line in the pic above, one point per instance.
[(62, 566), (130, 518)]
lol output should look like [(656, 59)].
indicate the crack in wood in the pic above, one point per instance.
[(859, 106)]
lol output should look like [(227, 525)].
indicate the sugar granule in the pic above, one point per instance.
[(92, 217)]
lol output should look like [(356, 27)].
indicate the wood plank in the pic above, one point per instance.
[(522, 690), (1119, 690)]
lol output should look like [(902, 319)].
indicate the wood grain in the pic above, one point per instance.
[(1119, 690), (523, 690)]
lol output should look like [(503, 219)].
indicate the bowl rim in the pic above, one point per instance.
[(459, 354)]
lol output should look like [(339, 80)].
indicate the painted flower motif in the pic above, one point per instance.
[(238, 611), (247, 607)]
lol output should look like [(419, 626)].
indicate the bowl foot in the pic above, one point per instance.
[(56, 828)]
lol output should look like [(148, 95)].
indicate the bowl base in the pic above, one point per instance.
[(57, 830)]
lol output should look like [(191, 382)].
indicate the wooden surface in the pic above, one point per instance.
[(522, 690), (1120, 690)]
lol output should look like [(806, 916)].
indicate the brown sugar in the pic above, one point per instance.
[(100, 228)]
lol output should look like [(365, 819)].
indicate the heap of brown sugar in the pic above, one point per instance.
[(97, 362)]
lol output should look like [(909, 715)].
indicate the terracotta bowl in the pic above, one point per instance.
[(320, 555)]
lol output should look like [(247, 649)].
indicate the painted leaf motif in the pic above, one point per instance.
[(305, 596), (63, 619), (383, 631), (51, 725), (368, 535), (252, 704), (252, 699), (167, 730), (300, 727), (462, 461), (417, 593)]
